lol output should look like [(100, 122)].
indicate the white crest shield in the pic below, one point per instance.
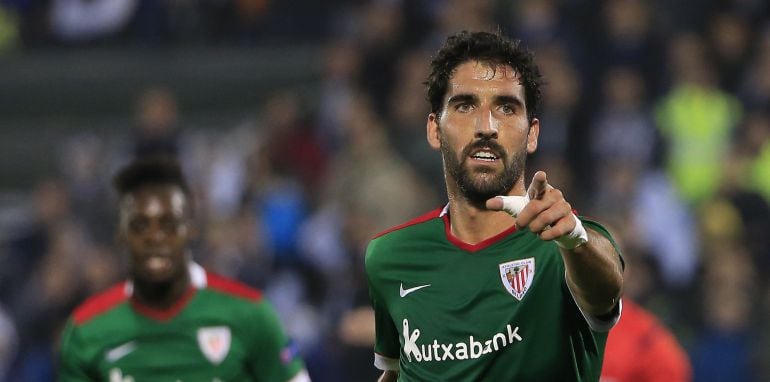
[(214, 343), (517, 276)]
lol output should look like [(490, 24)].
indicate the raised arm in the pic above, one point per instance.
[(594, 271)]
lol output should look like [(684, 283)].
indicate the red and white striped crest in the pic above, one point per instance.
[(517, 276), (214, 342)]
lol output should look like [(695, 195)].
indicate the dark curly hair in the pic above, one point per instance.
[(153, 170), (486, 47)]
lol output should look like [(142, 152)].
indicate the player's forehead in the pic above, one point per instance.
[(474, 76), (155, 200)]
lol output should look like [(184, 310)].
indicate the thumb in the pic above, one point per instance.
[(539, 185), (510, 204)]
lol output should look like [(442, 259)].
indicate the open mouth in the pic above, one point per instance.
[(484, 155), (158, 263)]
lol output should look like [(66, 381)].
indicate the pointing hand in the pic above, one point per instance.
[(545, 212)]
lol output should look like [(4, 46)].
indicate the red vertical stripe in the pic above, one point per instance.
[(518, 282)]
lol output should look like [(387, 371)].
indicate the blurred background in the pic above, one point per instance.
[(302, 126)]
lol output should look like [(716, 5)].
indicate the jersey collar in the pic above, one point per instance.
[(444, 215), (198, 280)]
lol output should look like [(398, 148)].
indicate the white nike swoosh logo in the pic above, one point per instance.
[(121, 351), (403, 292)]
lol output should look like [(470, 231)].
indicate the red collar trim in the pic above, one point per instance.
[(100, 303), (164, 314), (421, 219), (473, 247)]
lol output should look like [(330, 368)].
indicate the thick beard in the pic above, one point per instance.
[(477, 191)]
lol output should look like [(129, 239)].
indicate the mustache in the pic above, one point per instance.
[(483, 143)]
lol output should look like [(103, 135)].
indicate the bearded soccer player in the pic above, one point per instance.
[(172, 320), (505, 283)]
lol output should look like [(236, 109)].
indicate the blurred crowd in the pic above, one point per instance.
[(656, 122)]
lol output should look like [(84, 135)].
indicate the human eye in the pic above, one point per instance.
[(464, 107), (507, 109)]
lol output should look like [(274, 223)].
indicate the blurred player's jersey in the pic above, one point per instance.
[(499, 310), (641, 349), (220, 330)]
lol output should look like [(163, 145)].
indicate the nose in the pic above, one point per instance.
[(486, 125), (155, 234)]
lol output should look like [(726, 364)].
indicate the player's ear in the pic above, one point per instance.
[(433, 131), (534, 133)]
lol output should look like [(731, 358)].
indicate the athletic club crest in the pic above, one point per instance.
[(517, 276), (214, 343)]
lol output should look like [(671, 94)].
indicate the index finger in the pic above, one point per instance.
[(538, 186)]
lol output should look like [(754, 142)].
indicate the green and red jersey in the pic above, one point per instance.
[(220, 330), (499, 310)]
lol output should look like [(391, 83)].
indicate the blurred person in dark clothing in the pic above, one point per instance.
[(157, 125), (723, 349), (8, 343), (29, 242)]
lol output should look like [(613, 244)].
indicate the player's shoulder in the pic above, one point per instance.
[(233, 288), (408, 227), (399, 239), (100, 303)]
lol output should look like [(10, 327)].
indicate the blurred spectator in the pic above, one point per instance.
[(83, 166), (76, 21), (157, 129), (8, 343), (673, 244), (234, 247), (755, 84), (697, 119), (729, 39), (380, 42), (722, 350), (745, 186), (455, 15), (9, 28), (223, 171), (286, 170), (641, 349), (623, 147), (29, 243), (536, 22), (406, 120), (623, 131), (46, 298), (559, 150), (629, 40), (370, 180), (342, 64), (292, 145), (239, 20), (756, 142)]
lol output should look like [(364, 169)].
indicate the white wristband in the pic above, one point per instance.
[(574, 239), (513, 206)]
